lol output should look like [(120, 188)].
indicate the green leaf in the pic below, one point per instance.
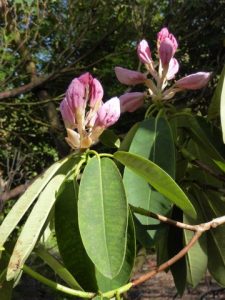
[(110, 139), (69, 239), (196, 257), (125, 145), (199, 132), (105, 284), (175, 244), (35, 222), (152, 140), (220, 164), (102, 194), (158, 178), (214, 107), (212, 206), (26, 200), (57, 267)]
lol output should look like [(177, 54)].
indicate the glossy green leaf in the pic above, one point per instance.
[(212, 206), (158, 178), (69, 239), (175, 244), (105, 284), (35, 222), (196, 257), (26, 200), (214, 107), (102, 194), (152, 140), (57, 267), (222, 105)]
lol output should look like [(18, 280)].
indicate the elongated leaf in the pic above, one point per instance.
[(158, 178), (196, 257), (152, 140), (105, 284), (69, 239), (26, 200), (214, 107), (222, 105), (175, 244), (197, 128), (125, 145), (102, 194), (58, 268), (213, 207), (33, 226)]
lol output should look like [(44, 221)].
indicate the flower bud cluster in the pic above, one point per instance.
[(84, 114), (161, 72)]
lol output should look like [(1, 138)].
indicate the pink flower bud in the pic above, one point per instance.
[(173, 69), (108, 113), (86, 79), (166, 51), (129, 77), (75, 95), (67, 114), (164, 34), (131, 101), (96, 92), (193, 81), (144, 52)]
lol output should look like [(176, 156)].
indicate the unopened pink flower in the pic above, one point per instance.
[(129, 77), (165, 51), (165, 34), (108, 113), (96, 92), (75, 95), (131, 101), (144, 52), (67, 114), (193, 81), (162, 34), (173, 69)]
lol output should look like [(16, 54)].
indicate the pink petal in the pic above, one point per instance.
[(193, 81), (108, 113), (129, 77), (144, 52), (86, 78), (173, 69), (166, 51), (75, 94), (96, 92), (67, 114), (162, 34), (131, 101)]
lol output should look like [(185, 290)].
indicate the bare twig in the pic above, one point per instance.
[(198, 229)]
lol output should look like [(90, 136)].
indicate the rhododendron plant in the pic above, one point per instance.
[(101, 207)]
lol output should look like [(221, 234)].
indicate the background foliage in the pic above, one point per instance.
[(44, 44)]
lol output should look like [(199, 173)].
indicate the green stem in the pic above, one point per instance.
[(57, 286), (106, 155), (61, 288), (118, 291)]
